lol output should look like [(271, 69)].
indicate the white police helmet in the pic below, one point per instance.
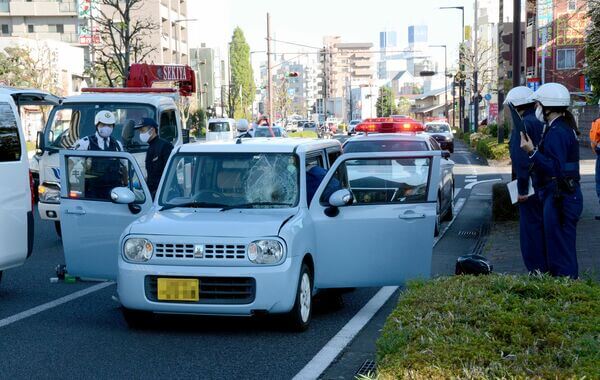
[(552, 95), (105, 117), (519, 96)]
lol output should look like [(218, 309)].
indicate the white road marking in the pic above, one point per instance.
[(470, 176), (52, 304), (331, 350), (470, 185), (456, 192)]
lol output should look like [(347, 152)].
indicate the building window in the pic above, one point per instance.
[(56, 28), (565, 59), (572, 5), (5, 29), (30, 28)]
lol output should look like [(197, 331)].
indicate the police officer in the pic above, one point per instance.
[(556, 166), (102, 139), (531, 224), (158, 152)]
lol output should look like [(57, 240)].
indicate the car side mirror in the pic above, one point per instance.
[(39, 144), (341, 198), (445, 154), (122, 195), (185, 135)]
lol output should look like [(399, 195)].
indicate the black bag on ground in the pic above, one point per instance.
[(473, 264)]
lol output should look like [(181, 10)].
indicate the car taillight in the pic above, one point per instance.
[(31, 185)]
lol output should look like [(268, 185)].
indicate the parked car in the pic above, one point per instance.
[(442, 133), (232, 230), (352, 125), (16, 199), (413, 142), (221, 129), (266, 132)]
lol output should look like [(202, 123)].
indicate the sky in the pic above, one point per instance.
[(307, 21)]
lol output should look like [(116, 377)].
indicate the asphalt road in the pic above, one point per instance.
[(87, 337)]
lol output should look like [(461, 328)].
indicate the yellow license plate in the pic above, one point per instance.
[(178, 289)]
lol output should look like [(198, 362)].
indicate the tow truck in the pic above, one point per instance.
[(73, 118)]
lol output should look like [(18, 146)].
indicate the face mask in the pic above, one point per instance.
[(144, 137), (539, 114), (105, 131)]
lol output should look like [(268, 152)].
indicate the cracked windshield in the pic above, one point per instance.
[(318, 189)]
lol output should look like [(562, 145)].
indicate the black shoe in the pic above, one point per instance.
[(597, 217)]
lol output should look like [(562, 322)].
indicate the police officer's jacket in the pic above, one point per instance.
[(156, 160), (557, 155), (520, 159), (98, 143)]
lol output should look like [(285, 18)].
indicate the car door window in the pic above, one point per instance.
[(93, 178), (332, 155), (382, 181), (10, 141), (168, 126), (434, 144)]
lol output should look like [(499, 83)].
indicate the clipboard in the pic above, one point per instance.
[(513, 190)]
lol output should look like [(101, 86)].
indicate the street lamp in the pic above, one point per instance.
[(461, 103), (179, 36), (445, 78)]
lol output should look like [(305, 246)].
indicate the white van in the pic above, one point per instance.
[(221, 129), (16, 204), (73, 119)]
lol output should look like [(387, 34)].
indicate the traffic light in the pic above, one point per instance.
[(292, 74)]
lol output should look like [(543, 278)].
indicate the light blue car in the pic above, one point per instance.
[(232, 232)]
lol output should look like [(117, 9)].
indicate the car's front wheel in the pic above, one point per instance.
[(137, 319), (300, 315)]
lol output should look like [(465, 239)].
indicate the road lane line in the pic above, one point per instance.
[(332, 349), (470, 186), (52, 304)]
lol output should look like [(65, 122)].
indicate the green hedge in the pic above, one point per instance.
[(306, 134), (497, 326), (488, 147)]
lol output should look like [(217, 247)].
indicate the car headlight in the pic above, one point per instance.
[(136, 249), (265, 251), (448, 138), (49, 193)]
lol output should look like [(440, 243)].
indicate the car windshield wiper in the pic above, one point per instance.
[(253, 204), (194, 204)]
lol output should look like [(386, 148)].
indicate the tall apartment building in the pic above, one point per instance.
[(65, 20), (345, 63), (202, 60)]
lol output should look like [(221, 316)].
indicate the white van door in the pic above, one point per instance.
[(16, 217), (91, 222), (389, 217)]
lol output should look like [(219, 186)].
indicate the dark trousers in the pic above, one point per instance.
[(531, 231), (598, 173), (560, 233)]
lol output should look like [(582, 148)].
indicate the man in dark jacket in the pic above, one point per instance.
[(158, 152)]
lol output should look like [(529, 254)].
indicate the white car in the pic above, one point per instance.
[(352, 125), (266, 132), (221, 129), (16, 203), (234, 231)]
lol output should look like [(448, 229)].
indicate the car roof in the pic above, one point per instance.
[(390, 136), (259, 145), (220, 120), (154, 99)]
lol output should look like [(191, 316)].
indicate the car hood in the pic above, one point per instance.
[(440, 134), (212, 222)]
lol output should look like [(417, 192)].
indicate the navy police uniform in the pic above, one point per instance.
[(157, 156), (531, 223), (556, 168)]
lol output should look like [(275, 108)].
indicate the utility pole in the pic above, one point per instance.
[(475, 73), (269, 75), (325, 80), (516, 42)]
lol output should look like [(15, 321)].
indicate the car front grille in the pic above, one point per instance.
[(213, 290), (201, 251)]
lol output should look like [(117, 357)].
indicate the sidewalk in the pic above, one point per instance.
[(502, 245)]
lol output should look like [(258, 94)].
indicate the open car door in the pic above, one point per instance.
[(91, 222), (388, 212)]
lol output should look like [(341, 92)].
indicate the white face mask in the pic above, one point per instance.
[(105, 131), (144, 137), (539, 113)]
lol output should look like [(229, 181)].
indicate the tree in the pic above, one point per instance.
[(242, 89), (485, 62), (197, 122), (281, 100), (123, 37), (593, 47), (403, 106), (386, 104), (16, 67)]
